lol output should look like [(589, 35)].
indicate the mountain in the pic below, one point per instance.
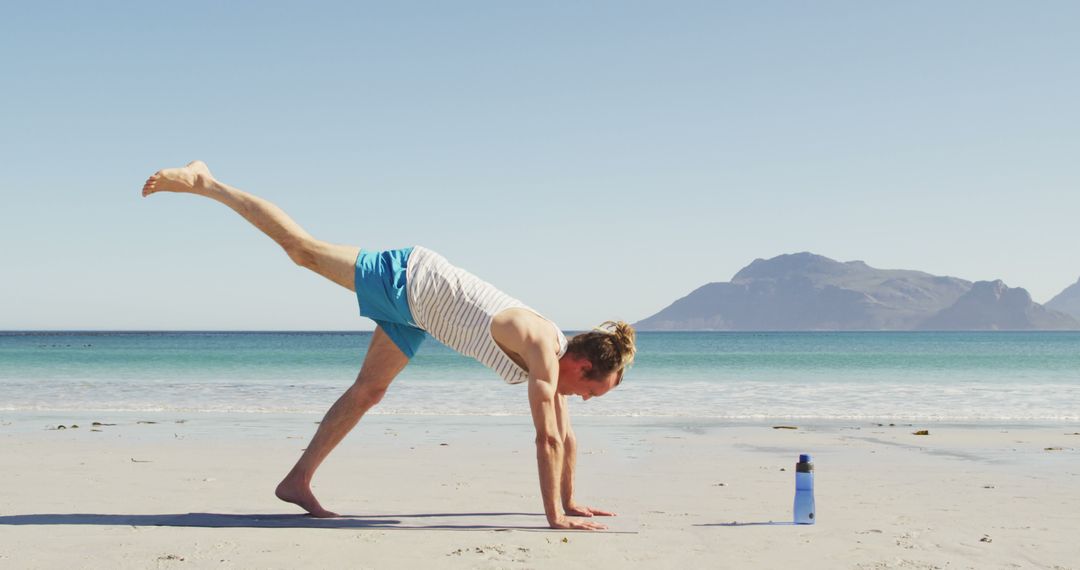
[(991, 305), (1068, 301), (805, 291)]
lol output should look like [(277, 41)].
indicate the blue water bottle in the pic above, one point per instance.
[(804, 490)]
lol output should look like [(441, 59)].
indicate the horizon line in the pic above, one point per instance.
[(357, 331)]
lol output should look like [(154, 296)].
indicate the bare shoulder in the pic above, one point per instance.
[(522, 329)]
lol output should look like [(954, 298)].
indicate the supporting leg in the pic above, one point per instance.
[(383, 362), (335, 262)]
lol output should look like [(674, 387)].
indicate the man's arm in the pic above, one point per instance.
[(531, 337), (569, 464), (566, 431), (550, 449)]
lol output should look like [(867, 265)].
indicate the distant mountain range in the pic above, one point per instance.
[(1068, 301), (804, 291)]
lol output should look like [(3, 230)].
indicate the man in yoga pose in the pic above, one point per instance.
[(412, 292)]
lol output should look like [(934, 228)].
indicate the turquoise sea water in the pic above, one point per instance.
[(953, 376)]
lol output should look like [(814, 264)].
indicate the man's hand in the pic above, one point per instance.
[(565, 523), (577, 510)]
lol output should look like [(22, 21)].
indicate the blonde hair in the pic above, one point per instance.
[(609, 347)]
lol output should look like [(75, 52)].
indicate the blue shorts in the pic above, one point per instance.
[(382, 291)]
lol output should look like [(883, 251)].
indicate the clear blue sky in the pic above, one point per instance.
[(596, 160)]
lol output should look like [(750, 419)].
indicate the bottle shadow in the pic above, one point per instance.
[(769, 523)]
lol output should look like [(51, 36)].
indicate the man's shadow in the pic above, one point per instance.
[(219, 520)]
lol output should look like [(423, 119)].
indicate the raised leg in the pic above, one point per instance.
[(335, 262), (383, 362)]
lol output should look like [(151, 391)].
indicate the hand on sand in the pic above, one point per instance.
[(574, 509), (567, 524)]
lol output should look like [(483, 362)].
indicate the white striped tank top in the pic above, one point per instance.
[(456, 308)]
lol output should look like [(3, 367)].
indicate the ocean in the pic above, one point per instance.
[(891, 376)]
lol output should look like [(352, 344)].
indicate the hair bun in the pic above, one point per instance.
[(609, 347), (625, 336)]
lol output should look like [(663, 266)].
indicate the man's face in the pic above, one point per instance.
[(574, 383)]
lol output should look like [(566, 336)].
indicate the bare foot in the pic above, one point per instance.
[(194, 178), (300, 494)]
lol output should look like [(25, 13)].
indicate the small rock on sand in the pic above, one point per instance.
[(921, 432)]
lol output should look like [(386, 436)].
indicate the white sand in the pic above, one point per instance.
[(199, 494)]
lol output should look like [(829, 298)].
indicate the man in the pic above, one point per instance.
[(412, 292)]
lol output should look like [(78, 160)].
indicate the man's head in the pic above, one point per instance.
[(595, 361)]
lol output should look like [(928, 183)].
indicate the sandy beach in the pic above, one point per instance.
[(461, 492)]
